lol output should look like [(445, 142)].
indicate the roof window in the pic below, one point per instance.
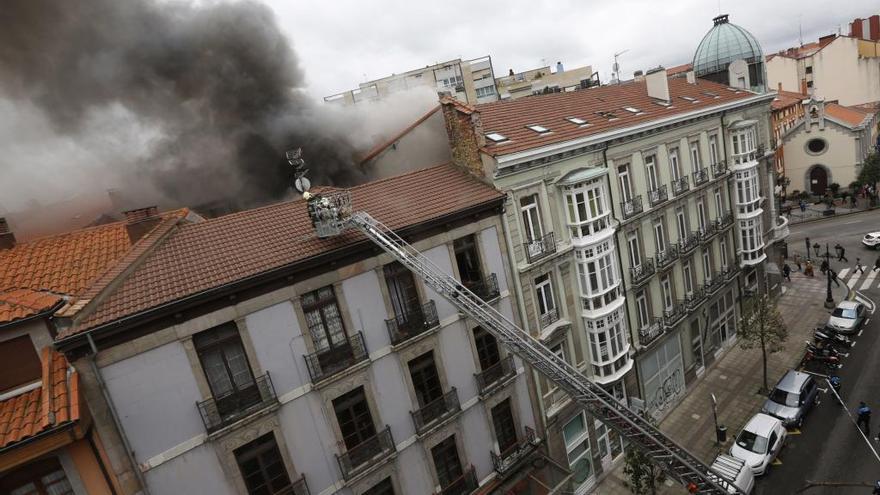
[(496, 137), (607, 115), (634, 110), (538, 128), (711, 94), (663, 103), (576, 120), (690, 99)]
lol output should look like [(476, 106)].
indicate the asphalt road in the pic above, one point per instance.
[(829, 447)]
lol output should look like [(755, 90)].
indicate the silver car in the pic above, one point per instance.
[(847, 317), (791, 398)]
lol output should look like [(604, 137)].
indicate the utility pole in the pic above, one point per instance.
[(615, 69)]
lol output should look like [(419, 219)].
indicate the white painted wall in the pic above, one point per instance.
[(197, 471), (279, 346)]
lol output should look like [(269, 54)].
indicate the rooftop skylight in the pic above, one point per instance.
[(711, 94), (663, 103), (634, 110), (576, 120), (496, 137), (690, 99), (538, 128)]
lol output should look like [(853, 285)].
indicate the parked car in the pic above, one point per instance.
[(871, 240), (792, 398), (847, 317), (759, 442), (734, 471)]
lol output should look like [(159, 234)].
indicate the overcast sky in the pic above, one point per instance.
[(344, 42)]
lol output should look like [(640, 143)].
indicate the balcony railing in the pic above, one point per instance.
[(327, 362), (701, 176), (463, 485), (680, 185), (436, 411), (508, 459), (719, 169), (708, 232), (640, 273), (549, 318), (485, 289), (632, 207), (219, 412), (490, 378), (674, 314), (714, 283), (365, 455), (730, 270), (692, 300), (537, 249), (690, 242), (726, 220), (298, 487), (657, 196), (416, 322), (651, 332), (667, 256), (760, 151)]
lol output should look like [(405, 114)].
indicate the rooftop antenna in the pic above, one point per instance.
[(615, 69), (294, 158), (800, 29)]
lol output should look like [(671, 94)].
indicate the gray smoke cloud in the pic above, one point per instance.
[(187, 103)]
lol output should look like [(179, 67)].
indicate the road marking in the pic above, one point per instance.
[(851, 222), (843, 272), (853, 344), (776, 462), (794, 431), (853, 281), (860, 333), (869, 280)]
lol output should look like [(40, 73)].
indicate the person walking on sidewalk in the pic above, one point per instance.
[(797, 262), (841, 253), (786, 272), (824, 266), (859, 267), (808, 269), (876, 264), (864, 417), (803, 205)]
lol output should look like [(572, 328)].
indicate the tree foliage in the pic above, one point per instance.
[(643, 476), (870, 173), (761, 326)]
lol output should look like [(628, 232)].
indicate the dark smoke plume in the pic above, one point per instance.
[(218, 84)]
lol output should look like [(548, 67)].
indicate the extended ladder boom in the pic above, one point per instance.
[(674, 460)]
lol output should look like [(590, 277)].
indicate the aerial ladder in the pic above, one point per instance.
[(332, 214)]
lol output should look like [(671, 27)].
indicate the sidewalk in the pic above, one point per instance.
[(735, 379)]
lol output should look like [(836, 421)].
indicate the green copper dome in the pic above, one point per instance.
[(723, 44)]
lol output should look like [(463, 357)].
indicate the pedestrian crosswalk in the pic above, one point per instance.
[(857, 279)]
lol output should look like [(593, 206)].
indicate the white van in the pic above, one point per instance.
[(735, 471)]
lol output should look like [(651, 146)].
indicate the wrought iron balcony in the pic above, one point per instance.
[(692, 300), (719, 169), (690, 242), (701, 176), (760, 151), (726, 220), (632, 207), (651, 332), (485, 289), (640, 273), (219, 412), (657, 196), (463, 485), (332, 360), (674, 314), (298, 487), (708, 232), (365, 455), (436, 411), (537, 249), (680, 185), (491, 378), (507, 460), (416, 322), (549, 318), (714, 283), (667, 256), (730, 270)]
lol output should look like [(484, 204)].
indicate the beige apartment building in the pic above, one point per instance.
[(544, 80), (469, 81), (636, 216)]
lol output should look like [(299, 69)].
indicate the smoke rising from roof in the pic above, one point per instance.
[(170, 102)]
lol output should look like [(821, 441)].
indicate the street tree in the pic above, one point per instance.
[(643, 476), (761, 326), (870, 173)]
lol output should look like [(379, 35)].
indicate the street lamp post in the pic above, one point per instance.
[(807, 243), (829, 300), (720, 431)]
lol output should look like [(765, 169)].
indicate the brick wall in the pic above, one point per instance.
[(465, 134)]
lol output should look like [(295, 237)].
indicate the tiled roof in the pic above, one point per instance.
[(678, 69), (785, 99), (54, 403), (16, 304), (849, 115), (202, 256), (510, 118)]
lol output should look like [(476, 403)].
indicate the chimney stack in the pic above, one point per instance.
[(7, 238), (691, 77), (639, 76), (140, 221), (658, 84), (559, 69)]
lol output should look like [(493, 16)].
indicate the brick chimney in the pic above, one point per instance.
[(638, 76), (658, 85), (7, 238), (140, 221), (464, 129)]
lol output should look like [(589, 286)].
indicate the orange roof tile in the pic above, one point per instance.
[(849, 115), (785, 99), (201, 256), (54, 403), (510, 118), (678, 69), (17, 304)]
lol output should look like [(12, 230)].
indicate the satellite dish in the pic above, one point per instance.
[(302, 184)]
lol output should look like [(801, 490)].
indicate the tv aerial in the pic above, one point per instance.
[(295, 159)]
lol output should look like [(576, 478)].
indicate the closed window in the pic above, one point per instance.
[(425, 379), (666, 292), (384, 487), (505, 429), (531, 216), (681, 222), (722, 245), (695, 156), (21, 364), (635, 253), (468, 260), (323, 318), (687, 275), (544, 293), (713, 148), (226, 368), (355, 420), (446, 462), (487, 348), (642, 311), (674, 166), (262, 467), (651, 172), (659, 236), (719, 202), (701, 214), (577, 448), (707, 264), (402, 291), (625, 182)]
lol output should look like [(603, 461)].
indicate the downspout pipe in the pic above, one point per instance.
[(128, 450)]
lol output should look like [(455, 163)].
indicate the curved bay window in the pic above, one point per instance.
[(598, 279), (609, 346), (748, 192), (587, 211), (751, 241), (744, 143)]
